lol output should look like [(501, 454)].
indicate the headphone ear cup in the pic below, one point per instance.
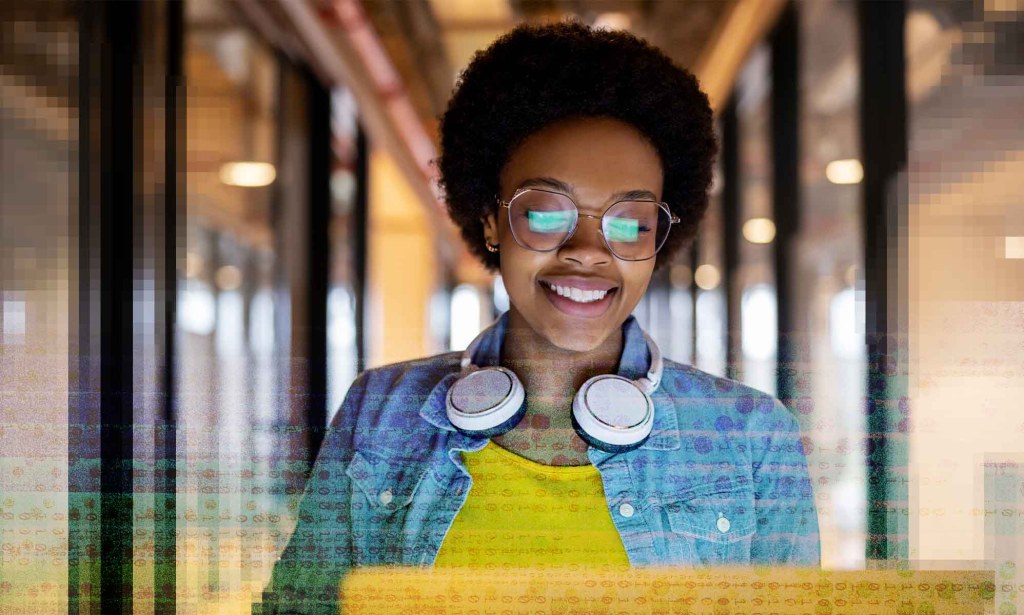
[(612, 413), (486, 402)]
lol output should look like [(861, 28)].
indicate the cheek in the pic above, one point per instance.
[(519, 270), (517, 266), (637, 280)]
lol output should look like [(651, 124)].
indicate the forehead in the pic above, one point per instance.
[(598, 157)]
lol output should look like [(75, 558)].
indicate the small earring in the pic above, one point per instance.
[(490, 247)]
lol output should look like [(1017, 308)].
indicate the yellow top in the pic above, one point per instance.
[(523, 513)]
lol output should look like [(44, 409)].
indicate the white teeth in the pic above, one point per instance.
[(579, 295)]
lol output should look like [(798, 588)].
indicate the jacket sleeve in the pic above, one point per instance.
[(307, 576), (787, 520)]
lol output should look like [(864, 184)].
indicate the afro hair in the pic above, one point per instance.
[(534, 76)]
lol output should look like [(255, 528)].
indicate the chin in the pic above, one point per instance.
[(575, 340)]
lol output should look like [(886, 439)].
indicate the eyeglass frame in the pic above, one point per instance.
[(673, 219)]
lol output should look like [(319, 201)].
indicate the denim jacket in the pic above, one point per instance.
[(722, 480)]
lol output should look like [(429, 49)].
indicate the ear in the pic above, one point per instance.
[(490, 223)]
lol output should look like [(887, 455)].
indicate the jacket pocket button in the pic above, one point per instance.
[(723, 523), (386, 497), (626, 510)]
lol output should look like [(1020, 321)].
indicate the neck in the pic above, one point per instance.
[(549, 373), (551, 376)]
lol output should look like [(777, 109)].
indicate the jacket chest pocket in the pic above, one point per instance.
[(382, 489), (712, 527)]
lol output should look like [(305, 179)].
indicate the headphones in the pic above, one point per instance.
[(609, 412)]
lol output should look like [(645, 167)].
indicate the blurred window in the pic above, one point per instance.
[(755, 269), (465, 316), (681, 314), (501, 302), (342, 354), (965, 83), (711, 331), (760, 330), (710, 308), (830, 391), (237, 462), (39, 164)]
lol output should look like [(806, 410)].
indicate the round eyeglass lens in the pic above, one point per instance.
[(635, 230), (541, 220)]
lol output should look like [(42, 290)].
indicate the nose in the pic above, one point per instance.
[(586, 246)]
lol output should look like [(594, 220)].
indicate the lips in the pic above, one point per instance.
[(580, 282), (579, 296)]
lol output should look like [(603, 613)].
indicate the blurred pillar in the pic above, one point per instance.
[(318, 261), (121, 410), (731, 233), (883, 121), (360, 220), (301, 211), (785, 127), (169, 264), (694, 257), (100, 411)]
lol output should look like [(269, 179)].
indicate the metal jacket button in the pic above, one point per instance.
[(626, 510)]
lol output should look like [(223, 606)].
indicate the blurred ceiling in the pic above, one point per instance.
[(431, 41), (38, 69)]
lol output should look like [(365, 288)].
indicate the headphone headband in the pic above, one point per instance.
[(654, 371)]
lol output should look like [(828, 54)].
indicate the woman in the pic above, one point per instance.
[(575, 162)]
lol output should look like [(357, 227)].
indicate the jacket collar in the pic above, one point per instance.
[(633, 364)]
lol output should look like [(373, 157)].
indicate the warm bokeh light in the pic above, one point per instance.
[(193, 265), (843, 172), (248, 174), (1014, 247), (613, 21), (759, 230), (228, 277), (851, 275), (707, 277)]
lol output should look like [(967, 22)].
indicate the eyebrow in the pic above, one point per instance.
[(569, 189)]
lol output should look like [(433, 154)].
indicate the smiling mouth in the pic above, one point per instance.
[(578, 295), (579, 302)]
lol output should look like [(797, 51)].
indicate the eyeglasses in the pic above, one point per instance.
[(632, 230)]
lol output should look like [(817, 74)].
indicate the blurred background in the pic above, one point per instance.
[(215, 213)]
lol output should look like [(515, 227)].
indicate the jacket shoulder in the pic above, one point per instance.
[(740, 404), (391, 397), (413, 371)]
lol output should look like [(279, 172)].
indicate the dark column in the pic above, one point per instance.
[(318, 255), (360, 216), (694, 263), (84, 303), (173, 204), (731, 233), (785, 127), (121, 437), (291, 207), (117, 175), (121, 196), (883, 122)]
